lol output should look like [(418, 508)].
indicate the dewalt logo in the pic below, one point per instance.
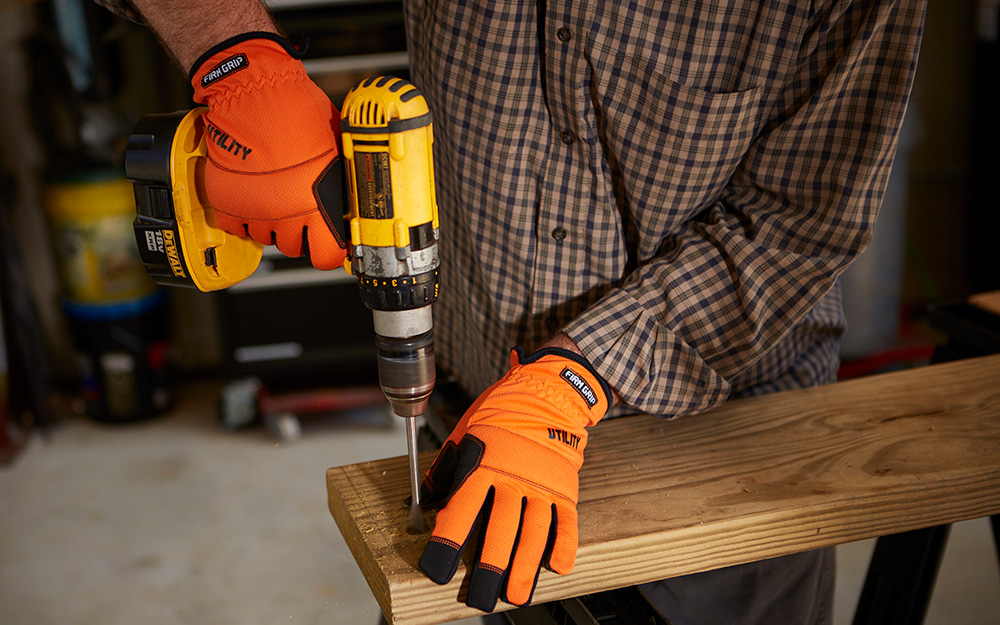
[(173, 256)]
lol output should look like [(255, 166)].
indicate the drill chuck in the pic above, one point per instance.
[(406, 372)]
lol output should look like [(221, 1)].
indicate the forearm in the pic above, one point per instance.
[(190, 27)]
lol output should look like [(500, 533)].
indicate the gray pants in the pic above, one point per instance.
[(791, 590)]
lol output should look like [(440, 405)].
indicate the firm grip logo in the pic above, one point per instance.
[(226, 68), (580, 386)]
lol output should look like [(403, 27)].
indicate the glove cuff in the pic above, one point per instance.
[(296, 50), (583, 379), (250, 63)]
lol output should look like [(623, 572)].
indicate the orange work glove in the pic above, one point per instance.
[(515, 458), (274, 169)]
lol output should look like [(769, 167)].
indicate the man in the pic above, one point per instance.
[(653, 199)]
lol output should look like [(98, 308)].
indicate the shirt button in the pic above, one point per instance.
[(564, 34), (567, 137), (559, 234)]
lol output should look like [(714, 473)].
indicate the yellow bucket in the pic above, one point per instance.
[(91, 225)]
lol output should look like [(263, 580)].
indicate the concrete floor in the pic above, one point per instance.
[(174, 520)]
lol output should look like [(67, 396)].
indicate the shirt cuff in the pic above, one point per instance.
[(649, 365)]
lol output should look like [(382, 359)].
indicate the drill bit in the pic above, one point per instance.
[(406, 374), (416, 516)]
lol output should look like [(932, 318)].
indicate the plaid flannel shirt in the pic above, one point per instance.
[(674, 185)]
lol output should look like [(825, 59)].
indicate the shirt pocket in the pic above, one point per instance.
[(675, 147)]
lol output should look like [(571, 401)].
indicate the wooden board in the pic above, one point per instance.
[(990, 302), (754, 479)]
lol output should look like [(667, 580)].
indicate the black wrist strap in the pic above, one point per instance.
[(296, 49)]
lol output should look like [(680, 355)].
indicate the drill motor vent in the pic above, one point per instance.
[(368, 114), (381, 102)]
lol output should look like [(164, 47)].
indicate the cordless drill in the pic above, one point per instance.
[(392, 218), (393, 224)]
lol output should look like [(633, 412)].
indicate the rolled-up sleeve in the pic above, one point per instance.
[(796, 207)]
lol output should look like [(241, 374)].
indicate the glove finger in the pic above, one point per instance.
[(240, 205), (287, 235), (564, 546), (439, 478), (537, 528), (470, 452), (328, 223), (451, 530), (324, 250), (232, 225), (493, 556)]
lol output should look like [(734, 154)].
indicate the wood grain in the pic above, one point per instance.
[(754, 479)]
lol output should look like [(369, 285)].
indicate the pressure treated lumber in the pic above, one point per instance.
[(754, 479)]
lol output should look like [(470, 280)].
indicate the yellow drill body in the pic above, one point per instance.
[(392, 214), (393, 222)]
